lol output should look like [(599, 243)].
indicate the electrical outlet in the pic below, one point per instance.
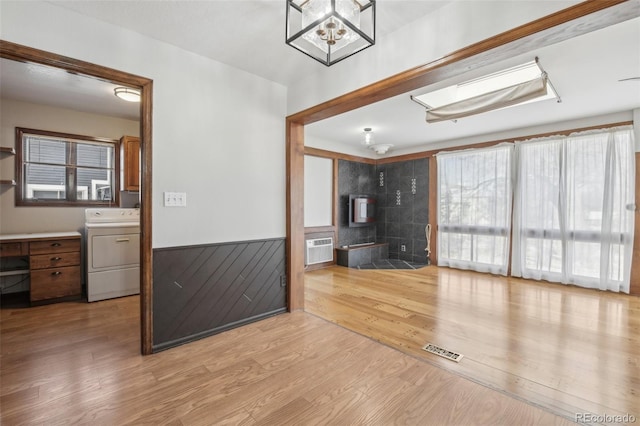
[(403, 247)]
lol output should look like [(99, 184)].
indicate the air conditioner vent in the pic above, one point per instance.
[(319, 250)]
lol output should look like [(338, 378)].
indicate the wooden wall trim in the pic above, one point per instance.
[(315, 152), (571, 22), (295, 215), (316, 229), (433, 209), (635, 261), (16, 52), (336, 196), (146, 218)]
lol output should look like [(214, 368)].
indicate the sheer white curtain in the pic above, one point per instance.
[(474, 209), (573, 209)]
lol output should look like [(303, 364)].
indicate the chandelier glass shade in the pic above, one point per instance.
[(330, 30)]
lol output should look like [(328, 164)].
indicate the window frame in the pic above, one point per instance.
[(20, 175)]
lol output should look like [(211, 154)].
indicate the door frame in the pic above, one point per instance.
[(17, 52)]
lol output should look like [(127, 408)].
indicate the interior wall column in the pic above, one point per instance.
[(295, 214)]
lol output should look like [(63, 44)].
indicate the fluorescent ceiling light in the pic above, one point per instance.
[(481, 89)]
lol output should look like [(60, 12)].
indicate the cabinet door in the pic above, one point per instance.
[(55, 282), (131, 158)]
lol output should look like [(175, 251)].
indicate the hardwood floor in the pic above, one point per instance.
[(566, 349), (79, 363)]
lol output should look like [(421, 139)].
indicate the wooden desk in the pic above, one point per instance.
[(54, 263)]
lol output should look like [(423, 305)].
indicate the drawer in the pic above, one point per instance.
[(55, 282), (54, 246), (13, 249), (54, 260)]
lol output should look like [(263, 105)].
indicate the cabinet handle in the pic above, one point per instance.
[(56, 245), (122, 240), (56, 258), (56, 273)]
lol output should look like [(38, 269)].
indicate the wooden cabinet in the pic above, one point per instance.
[(130, 146), (54, 263), (55, 269)]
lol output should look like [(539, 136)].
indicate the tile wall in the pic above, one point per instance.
[(402, 193), (403, 208)]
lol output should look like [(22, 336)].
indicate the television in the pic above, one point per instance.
[(362, 210)]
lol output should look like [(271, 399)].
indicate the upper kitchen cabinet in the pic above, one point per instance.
[(130, 146)]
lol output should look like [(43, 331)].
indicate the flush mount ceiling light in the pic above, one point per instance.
[(381, 148), (368, 141), (128, 94), (368, 137), (514, 86), (331, 30)]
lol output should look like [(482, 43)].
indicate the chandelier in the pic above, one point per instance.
[(331, 30)]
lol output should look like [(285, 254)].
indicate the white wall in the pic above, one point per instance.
[(449, 28), (318, 191), (41, 117), (218, 133)]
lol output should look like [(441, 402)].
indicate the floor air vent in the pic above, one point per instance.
[(442, 352), (319, 250)]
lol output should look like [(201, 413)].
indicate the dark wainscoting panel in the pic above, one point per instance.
[(206, 289)]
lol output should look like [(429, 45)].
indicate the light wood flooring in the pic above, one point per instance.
[(566, 349), (79, 363)]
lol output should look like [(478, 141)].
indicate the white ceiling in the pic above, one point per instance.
[(246, 34), (249, 35)]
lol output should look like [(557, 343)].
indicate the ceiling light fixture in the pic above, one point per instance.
[(514, 86), (128, 94), (368, 137), (381, 148), (331, 30), (368, 141)]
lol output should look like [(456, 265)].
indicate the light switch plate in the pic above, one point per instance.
[(175, 199)]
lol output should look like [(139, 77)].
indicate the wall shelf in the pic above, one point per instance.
[(7, 150), (14, 272)]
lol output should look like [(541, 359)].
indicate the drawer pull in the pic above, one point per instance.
[(56, 273), (122, 240), (56, 258), (56, 245)]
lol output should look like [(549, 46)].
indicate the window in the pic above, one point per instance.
[(57, 169), (474, 199), (573, 210)]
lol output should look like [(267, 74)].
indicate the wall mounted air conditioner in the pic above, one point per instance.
[(319, 250)]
